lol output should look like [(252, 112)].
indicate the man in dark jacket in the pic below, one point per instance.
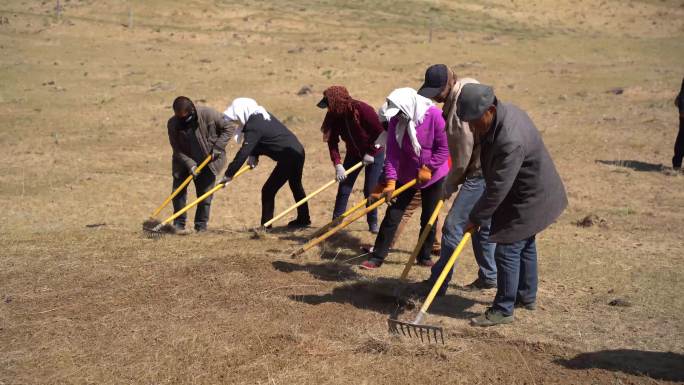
[(194, 134), (262, 134), (523, 195), (679, 143)]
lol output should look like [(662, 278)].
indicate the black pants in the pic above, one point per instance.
[(679, 145), (203, 183), (430, 196), (289, 169)]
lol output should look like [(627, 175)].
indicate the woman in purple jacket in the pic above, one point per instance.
[(416, 149), (358, 125)]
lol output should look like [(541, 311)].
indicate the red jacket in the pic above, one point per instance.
[(359, 140)]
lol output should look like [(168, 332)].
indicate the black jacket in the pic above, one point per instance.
[(265, 137), (524, 193)]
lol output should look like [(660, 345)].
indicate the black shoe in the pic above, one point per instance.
[(299, 223), (527, 306), (479, 284)]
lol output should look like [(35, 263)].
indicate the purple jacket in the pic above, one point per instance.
[(402, 164)]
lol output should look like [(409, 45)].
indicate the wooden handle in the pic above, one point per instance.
[(313, 194), (203, 197), (442, 276), (353, 218), (421, 240), (181, 187)]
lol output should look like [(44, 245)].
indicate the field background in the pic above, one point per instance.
[(84, 101)]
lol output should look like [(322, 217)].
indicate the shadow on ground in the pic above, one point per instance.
[(328, 271), (635, 165), (379, 296), (665, 366)]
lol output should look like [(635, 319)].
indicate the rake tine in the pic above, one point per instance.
[(421, 335), (441, 333)]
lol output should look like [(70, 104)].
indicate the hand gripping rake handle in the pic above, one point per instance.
[(356, 216), (181, 187), (313, 194), (442, 277), (203, 197)]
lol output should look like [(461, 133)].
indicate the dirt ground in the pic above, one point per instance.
[(84, 99)]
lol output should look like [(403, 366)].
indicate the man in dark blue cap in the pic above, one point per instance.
[(443, 86), (523, 195)]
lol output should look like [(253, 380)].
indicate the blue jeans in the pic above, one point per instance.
[(452, 233), (517, 278), (373, 172)]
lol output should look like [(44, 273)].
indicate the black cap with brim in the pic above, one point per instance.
[(429, 92), (323, 103), (436, 78), (474, 101)]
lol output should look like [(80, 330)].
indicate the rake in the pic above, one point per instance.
[(353, 218), (416, 329), (154, 229), (339, 219), (313, 194), (181, 187)]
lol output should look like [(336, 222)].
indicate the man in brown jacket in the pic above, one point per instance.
[(194, 134), (443, 86)]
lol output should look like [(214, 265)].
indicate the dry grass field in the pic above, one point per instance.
[(85, 298)]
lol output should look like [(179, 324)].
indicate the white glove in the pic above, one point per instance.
[(340, 173), (368, 159), (252, 161), (225, 180), (194, 172)]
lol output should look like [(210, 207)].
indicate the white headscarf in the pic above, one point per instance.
[(240, 110), (414, 107)]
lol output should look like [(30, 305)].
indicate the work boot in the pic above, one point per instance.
[(183, 231), (527, 306), (491, 317), (479, 284), (299, 223)]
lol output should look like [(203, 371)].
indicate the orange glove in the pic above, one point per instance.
[(377, 192), (387, 192), (424, 174)]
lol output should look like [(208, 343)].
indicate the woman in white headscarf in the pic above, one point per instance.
[(260, 133), (416, 149)]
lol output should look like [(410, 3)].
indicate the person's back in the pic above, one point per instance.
[(537, 196), (275, 140)]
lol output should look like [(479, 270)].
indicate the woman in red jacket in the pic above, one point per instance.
[(358, 125)]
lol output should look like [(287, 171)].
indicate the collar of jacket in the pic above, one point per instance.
[(498, 122)]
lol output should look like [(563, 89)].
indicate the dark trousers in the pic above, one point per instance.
[(373, 172), (679, 145), (516, 265), (430, 196), (203, 183), (289, 169)]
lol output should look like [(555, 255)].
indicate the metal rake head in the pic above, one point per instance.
[(426, 333), (152, 228)]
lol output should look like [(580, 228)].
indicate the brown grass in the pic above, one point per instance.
[(84, 102)]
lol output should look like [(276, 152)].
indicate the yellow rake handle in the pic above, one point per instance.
[(313, 194), (339, 219), (442, 277), (356, 216), (181, 187), (204, 196), (421, 240)]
